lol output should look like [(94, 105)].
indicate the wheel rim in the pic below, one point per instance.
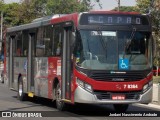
[(20, 91), (58, 96)]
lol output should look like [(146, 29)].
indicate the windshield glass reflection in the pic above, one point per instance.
[(102, 50)]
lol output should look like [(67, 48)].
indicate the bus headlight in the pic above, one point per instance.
[(87, 87), (147, 86), (80, 83), (84, 85)]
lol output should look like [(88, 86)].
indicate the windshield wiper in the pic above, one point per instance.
[(128, 42), (104, 45)]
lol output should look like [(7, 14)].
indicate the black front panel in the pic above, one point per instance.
[(118, 76), (115, 76)]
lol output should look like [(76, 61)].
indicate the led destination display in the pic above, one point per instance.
[(87, 19)]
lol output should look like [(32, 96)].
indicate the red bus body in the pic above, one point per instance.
[(40, 74)]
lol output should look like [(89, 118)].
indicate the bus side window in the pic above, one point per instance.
[(18, 44), (18, 52), (59, 46), (48, 37), (40, 50), (7, 45), (40, 47), (25, 39), (57, 41)]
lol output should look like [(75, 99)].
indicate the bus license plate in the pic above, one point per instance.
[(118, 97)]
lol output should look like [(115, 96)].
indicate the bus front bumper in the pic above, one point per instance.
[(83, 96)]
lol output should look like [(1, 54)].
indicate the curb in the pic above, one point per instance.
[(151, 105)]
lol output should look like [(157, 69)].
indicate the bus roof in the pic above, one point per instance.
[(114, 12), (58, 18), (35, 23)]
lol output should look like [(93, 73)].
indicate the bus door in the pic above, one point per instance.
[(30, 66), (66, 64), (11, 62)]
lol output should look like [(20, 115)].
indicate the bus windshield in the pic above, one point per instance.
[(102, 50)]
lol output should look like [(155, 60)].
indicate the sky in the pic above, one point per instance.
[(110, 4), (10, 1), (106, 4)]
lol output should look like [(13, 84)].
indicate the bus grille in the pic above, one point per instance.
[(127, 76), (108, 95)]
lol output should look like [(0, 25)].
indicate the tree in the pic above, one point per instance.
[(142, 5), (32, 9), (153, 7), (26, 12), (68, 6), (1, 6), (155, 14), (10, 14)]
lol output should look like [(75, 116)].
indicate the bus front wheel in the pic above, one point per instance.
[(59, 103), (121, 107)]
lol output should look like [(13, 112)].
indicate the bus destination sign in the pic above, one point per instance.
[(113, 19)]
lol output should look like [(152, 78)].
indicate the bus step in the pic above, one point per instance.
[(30, 94), (66, 100)]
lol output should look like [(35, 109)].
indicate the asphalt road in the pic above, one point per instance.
[(9, 102)]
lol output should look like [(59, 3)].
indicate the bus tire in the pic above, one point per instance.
[(121, 107), (21, 95), (59, 103)]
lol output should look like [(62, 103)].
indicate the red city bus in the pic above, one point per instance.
[(98, 57)]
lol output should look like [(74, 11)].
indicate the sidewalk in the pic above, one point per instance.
[(150, 105), (155, 103), (156, 94)]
